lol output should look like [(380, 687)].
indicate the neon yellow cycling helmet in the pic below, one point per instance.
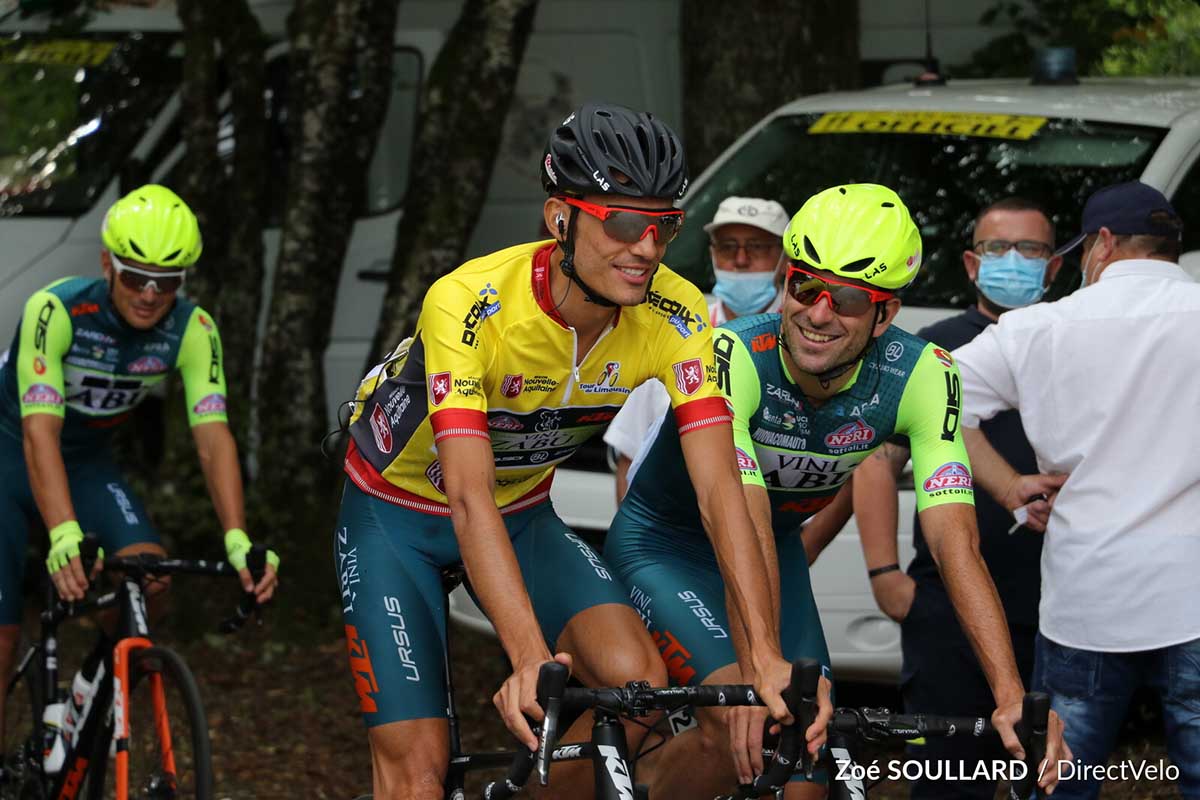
[(153, 226), (861, 231)]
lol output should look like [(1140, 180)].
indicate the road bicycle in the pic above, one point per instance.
[(615, 771), (144, 713)]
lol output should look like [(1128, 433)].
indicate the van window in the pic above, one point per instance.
[(945, 180), (71, 109)]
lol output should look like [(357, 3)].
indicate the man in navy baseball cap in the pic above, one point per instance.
[(1114, 215)]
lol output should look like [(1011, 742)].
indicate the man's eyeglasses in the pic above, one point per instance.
[(846, 299), (630, 225), (137, 280), (756, 249), (1026, 247)]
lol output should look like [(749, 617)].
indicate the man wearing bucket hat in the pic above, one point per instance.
[(745, 243), (1100, 378), (745, 238)]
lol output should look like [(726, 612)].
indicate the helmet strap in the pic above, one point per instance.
[(567, 265)]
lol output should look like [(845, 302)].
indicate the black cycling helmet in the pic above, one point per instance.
[(609, 149)]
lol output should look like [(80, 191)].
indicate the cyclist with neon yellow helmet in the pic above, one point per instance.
[(86, 352), (815, 389)]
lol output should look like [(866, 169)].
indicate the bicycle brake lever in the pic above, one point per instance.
[(1031, 730), (552, 681), (256, 562)]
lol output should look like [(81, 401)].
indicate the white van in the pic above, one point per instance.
[(949, 151)]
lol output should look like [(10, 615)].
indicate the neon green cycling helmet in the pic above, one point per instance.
[(860, 231), (153, 226)]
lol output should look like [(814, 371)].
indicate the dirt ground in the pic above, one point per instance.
[(284, 722)]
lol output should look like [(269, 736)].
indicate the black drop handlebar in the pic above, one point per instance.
[(144, 566), (790, 755)]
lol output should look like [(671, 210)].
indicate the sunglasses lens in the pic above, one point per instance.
[(850, 301), (846, 300), (630, 226), (137, 282)]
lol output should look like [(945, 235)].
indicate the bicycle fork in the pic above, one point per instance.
[(134, 611)]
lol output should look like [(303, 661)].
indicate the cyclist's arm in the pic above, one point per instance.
[(876, 505), (45, 337), (201, 366), (827, 523), (468, 469), (929, 415), (742, 540), (459, 422)]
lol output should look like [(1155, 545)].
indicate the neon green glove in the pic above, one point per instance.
[(237, 545), (64, 545)]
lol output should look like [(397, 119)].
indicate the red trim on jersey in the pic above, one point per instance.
[(541, 283), (697, 414), (450, 422), (541, 287), (365, 477)]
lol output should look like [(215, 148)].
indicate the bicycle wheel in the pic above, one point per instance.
[(21, 751), (170, 757)]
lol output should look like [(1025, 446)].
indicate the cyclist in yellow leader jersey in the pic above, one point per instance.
[(518, 358)]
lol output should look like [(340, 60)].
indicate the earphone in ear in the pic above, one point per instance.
[(562, 227)]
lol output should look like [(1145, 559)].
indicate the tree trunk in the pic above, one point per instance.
[(465, 101), (742, 60), (334, 139)]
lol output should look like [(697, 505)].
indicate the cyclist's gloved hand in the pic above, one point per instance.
[(63, 562), (237, 546)]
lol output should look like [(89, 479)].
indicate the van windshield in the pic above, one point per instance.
[(945, 179), (71, 108)]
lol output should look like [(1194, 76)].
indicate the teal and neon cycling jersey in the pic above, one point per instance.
[(803, 454), (74, 357)]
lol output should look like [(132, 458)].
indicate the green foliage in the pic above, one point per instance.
[(1089, 26), (1165, 40)]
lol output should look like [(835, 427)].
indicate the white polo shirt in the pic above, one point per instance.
[(1107, 381)]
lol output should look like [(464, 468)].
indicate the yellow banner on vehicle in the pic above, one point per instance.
[(60, 52), (947, 123)]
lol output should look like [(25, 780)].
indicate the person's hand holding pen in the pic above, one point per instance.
[(1029, 498)]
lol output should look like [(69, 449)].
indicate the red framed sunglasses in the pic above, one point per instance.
[(630, 225), (847, 299)]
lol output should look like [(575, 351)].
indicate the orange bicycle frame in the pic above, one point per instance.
[(121, 654)]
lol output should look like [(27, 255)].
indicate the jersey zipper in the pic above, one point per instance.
[(574, 379)]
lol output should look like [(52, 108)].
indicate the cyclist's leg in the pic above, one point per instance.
[(584, 611), (387, 562), (675, 584), (16, 503), (107, 506)]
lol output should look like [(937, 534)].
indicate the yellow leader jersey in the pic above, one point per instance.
[(492, 358)]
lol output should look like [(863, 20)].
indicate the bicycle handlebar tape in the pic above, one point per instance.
[(552, 682), (801, 699)]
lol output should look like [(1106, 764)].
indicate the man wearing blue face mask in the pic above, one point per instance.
[(1011, 262), (744, 242)]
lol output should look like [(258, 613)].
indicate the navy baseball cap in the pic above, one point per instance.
[(1127, 209)]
